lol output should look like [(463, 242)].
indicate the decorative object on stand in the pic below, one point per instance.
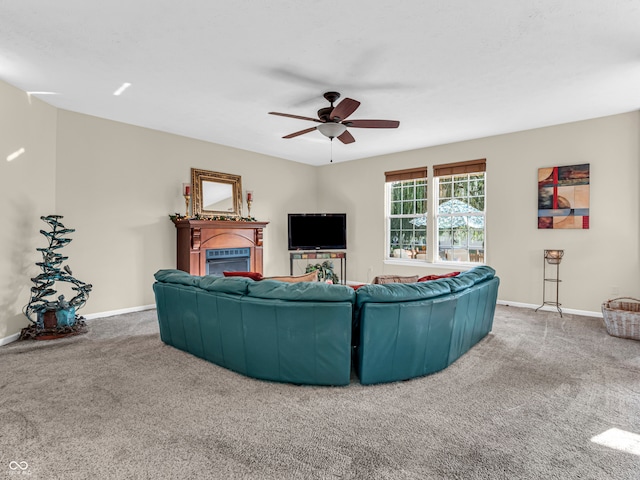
[(318, 255), (249, 202), (563, 197), (551, 257), (325, 272), (622, 317), (186, 192), (54, 318)]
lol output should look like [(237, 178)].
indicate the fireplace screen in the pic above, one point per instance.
[(228, 260)]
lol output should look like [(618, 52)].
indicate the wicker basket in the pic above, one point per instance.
[(622, 318)]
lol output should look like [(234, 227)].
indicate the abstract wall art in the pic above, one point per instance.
[(563, 197)]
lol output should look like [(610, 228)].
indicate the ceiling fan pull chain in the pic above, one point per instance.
[(331, 160)]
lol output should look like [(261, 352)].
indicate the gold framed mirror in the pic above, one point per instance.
[(216, 194)]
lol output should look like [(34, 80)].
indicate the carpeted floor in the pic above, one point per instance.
[(118, 403)]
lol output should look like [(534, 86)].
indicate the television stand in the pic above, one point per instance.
[(321, 255)]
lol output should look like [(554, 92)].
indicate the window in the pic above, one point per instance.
[(460, 218), (455, 231), (406, 213)]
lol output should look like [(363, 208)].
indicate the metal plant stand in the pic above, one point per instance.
[(551, 257)]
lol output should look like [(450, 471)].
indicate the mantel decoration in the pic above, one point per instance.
[(216, 193), (249, 202), (186, 193), (214, 196), (53, 317), (212, 218)]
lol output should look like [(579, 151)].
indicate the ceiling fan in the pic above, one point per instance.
[(333, 120)]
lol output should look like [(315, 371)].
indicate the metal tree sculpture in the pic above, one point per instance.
[(42, 292)]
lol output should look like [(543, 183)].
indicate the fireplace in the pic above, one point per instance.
[(206, 247), (221, 260)]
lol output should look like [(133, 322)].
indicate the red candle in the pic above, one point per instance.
[(187, 189), (249, 196)]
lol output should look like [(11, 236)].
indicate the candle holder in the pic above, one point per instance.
[(186, 193), (249, 202)]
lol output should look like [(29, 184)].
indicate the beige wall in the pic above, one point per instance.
[(116, 184), (27, 191), (596, 260)]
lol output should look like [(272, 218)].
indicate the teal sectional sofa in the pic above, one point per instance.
[(407, 330), (309, 333), (286, 332)]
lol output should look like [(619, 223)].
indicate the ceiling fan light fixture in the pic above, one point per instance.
[(333, 121), (331, 129)]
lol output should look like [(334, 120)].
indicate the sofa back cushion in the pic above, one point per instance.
[(457, 284), (232, 285), (479, 274), (301, 292), (400, 292), (212, 283), (177, 276)]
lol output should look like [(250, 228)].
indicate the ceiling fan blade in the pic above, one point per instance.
[(346, 137), (301, 132), (295, 116), (345, 108), (372, 123)]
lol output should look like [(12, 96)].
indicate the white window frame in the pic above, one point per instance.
[(404, 255), (464, 252), (431, 256)]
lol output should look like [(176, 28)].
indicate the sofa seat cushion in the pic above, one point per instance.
[(307, 277), (301, 292), (382, 279)]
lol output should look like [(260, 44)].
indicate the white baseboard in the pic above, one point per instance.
[(9, 339), (548, 308), (111, 313), (91, 316)]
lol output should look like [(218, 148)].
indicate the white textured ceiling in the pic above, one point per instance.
[(211, 70)]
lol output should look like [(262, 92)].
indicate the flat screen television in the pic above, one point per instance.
[(317, 231)]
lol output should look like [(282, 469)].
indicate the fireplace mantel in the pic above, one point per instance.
[(195, 237)]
